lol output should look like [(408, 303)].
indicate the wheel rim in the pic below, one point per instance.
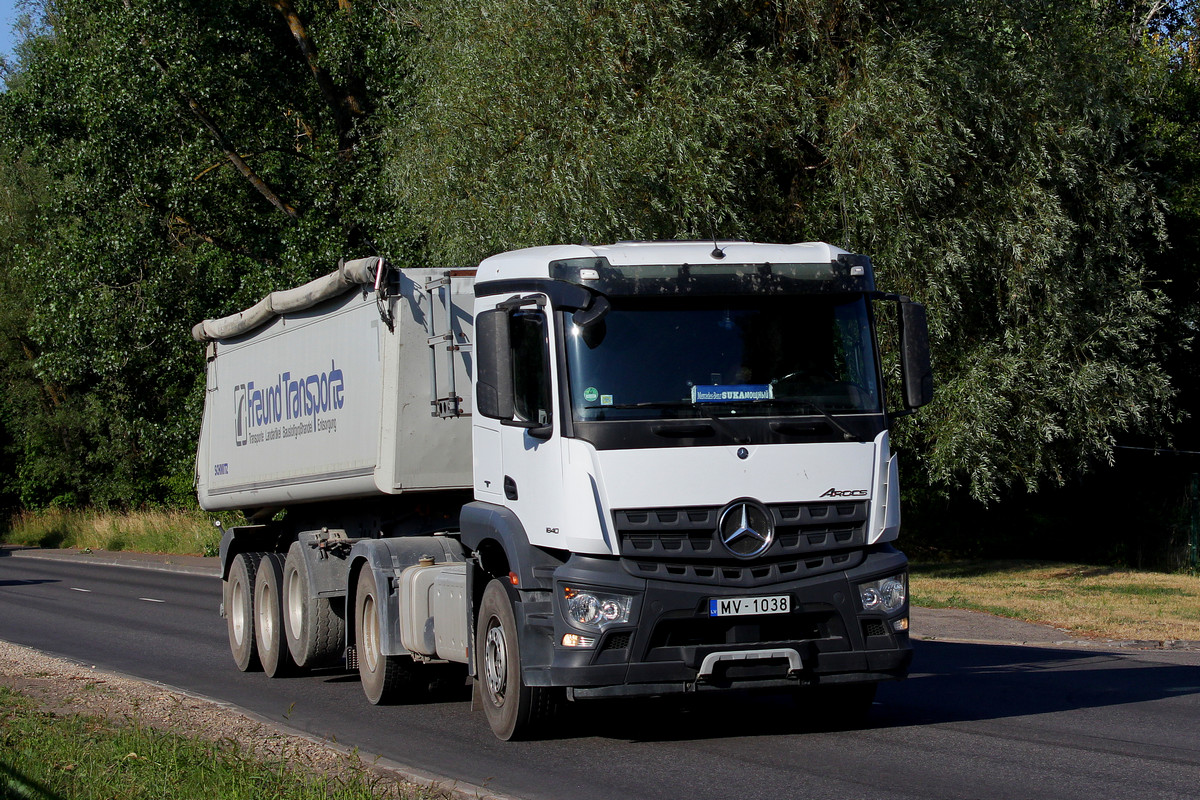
[(370, 630), (495, 661), (295, 602), (266, 617), (238, 611)]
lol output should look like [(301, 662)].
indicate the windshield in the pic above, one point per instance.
[(655, 358)]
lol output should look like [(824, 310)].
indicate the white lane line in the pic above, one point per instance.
[(151, 600), (77, 589)]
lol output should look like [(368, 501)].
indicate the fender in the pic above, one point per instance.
[(533, 566), (387, 558), (532, 596), (246, 539)]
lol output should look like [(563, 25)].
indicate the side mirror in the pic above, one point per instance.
[(596, 311), (493, 386), (915, 366)]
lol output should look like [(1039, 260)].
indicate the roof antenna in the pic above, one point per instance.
[(584, 242), (717, 252)]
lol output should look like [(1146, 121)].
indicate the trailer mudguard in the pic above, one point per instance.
[(246, 539), (387, 558)]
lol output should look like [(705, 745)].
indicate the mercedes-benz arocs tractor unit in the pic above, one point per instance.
[(580, 471)]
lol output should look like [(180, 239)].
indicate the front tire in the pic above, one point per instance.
[(269, 635), (239, 610), (384, 678), (512, 708)]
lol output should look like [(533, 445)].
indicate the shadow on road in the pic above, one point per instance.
[(950, 682), (954, 682)]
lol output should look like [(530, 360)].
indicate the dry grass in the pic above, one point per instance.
[(1104, 602), (176, 532)]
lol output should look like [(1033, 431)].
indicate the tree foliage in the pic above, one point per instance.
[(192, 156), (986, 154), (1025, 168)]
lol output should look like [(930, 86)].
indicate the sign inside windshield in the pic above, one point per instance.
[(732, 394)]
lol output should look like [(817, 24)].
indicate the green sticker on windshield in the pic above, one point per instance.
[(590, 394)]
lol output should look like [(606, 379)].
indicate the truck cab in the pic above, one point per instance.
[(682, 473)]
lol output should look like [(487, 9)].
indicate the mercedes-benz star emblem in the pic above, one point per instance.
[(745, 529)]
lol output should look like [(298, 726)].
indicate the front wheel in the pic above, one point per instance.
[(512, 708)]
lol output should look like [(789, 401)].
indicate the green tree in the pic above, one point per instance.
[(195, 156), (1013, 164), (985, 154)]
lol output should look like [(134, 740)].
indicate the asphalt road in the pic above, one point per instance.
[(973, 720)]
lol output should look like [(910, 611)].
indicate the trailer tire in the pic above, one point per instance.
[(385, 679), (513, 709), (239, 610), (269, 634), (315, 630)]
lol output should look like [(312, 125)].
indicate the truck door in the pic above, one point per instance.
[(532, 448)]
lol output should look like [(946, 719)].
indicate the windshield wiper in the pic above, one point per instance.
[(777, 401), (704, 410), (647, 404), (846, 434)]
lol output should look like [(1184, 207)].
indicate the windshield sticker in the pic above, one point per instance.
[(606, 399), (590, 394), (732, 394)]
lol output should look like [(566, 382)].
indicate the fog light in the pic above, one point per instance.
[(900, 625), (575, 640)]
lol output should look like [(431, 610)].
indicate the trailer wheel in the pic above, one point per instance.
[(512, 708), (239, 610), (269, 635), (385, 679), (316, 633)]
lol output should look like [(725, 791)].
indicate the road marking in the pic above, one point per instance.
[(77, 589), (151, 600)]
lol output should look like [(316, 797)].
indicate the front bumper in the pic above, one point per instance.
[(672, 644)]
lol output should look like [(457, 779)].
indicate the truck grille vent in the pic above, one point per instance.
[(874, 627), (670, 634), (682, 544), (617, 641)]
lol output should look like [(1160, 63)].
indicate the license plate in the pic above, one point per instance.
[(742, 606)]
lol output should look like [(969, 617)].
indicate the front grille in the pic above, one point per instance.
[(700, 632), (682, 544)]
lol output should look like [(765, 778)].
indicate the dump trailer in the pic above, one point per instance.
[(573, 472)]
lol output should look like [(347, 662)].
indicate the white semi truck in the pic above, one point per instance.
[(580, 471)]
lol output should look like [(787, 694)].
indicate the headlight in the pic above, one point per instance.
[(595, 609), (886, 594)]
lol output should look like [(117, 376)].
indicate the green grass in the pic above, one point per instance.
[(175, 532), (47, 757), (1107, 602)]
